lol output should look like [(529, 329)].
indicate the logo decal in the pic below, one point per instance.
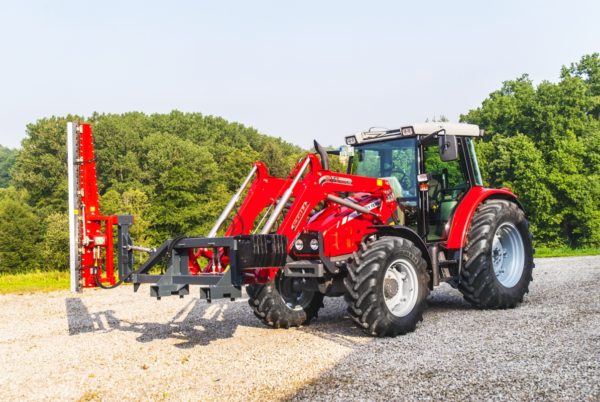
[(335, 179), (301, 213)]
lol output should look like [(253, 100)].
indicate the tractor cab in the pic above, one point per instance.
[(429, 166)]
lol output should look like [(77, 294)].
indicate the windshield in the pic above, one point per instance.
[(393, 160)]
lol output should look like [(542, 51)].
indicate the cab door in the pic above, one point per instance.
[(448, 183)]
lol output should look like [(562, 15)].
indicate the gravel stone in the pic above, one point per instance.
[(118, 345)]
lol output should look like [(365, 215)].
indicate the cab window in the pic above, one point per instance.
[(394, 160), (447, 184)]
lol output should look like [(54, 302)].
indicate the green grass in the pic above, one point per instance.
[(49, 281), (542, 252), (34, 282)]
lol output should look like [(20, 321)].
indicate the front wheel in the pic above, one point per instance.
[(498, 257), (283, 304), (387, 286)]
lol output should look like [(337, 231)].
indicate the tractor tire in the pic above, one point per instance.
[(278, 306), (498, 256), (386, 287)]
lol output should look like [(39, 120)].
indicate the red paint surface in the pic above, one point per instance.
[(92, 224), (343, 229), (466, 209)]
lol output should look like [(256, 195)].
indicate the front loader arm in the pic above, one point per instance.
[(317, 185), (263, 192), (320, 185)]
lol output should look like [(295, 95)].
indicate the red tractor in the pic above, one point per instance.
[(410, 212)]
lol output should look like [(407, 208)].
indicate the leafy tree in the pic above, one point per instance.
[(543, 141), (274, 158), (516, 163), (41, 166), (434, 119), (20, 233), (174, 172), (132, 202), (183, 181), (7, 160), (55, 245)]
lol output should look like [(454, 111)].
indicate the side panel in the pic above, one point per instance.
[(343, 228), (466, 209)]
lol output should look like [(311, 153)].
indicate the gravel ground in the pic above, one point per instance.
[(119, 345)]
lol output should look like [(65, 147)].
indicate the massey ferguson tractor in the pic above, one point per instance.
[(411, 212)]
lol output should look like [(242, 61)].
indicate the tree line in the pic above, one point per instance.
[(175, 172), (543, 142)]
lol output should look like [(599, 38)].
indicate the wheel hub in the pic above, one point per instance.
[(400, 287), (293, 294), (390, 287), (508, 254), (498, 253)]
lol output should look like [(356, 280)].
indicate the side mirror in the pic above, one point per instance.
[(448, 147)]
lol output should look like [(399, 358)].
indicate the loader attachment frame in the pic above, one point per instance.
[(242, 252)]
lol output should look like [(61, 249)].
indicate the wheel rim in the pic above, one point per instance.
[(295, 299), (508, 254), (400, 288)]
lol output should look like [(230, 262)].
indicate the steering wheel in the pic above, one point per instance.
[(403, 179)]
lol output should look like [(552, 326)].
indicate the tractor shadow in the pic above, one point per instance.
[(445, 298), (197, 323), (200, 323), (334, 323)]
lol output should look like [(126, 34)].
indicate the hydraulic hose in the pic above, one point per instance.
[(103, 286)]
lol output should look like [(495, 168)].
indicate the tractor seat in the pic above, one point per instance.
[(435, 188)]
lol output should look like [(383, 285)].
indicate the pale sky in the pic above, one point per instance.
[(297, 70)]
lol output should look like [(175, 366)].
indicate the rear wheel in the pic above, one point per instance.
[(282, 304), (498, 257), (387, 286)]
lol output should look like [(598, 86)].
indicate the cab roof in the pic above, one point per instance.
[(409, 130)]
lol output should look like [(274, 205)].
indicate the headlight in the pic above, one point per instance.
[(351, 140), (299, 245), (314, 244)]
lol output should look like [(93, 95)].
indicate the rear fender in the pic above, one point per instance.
[(461, 220), (406, 233)]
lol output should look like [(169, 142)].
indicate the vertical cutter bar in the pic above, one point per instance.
[(72, 154)]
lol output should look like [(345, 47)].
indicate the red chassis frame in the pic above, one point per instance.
[(341, 237)]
